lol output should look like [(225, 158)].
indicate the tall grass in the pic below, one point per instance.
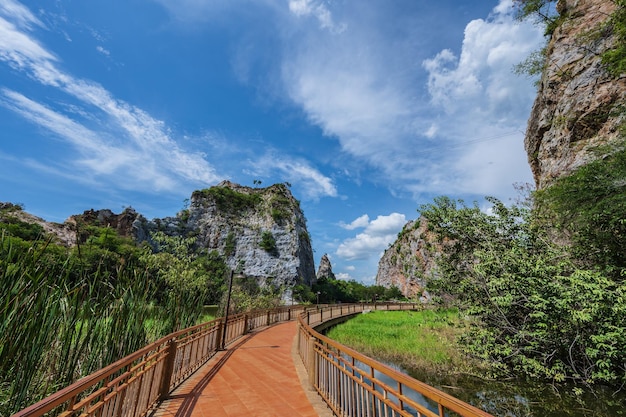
[(58, 323), (425, 340)]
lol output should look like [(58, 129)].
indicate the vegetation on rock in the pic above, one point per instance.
[(231, 201)]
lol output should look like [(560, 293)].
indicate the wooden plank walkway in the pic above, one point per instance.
[(259, 375)]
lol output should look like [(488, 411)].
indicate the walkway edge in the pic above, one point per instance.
[(319, 405)]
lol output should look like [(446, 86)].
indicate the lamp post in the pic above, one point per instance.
[(230, 290), (318, 297)]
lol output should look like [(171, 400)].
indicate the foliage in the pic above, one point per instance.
[(305, 237), (229, 244), (589, 206), (59, 321), (231, 201), (332, 290), (615, 57), (268, 243), (280, 208), (538, 313), (533, 65), (303, 293), (248, 295), (185, 279), (66, 312), (18, 228), (541, 10)]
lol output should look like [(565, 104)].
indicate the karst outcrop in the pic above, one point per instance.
[(259, 232), (408, 260), (579, 108), (579, 105), (325, 269)]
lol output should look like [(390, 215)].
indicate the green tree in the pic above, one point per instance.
[(536, 312), (186, 281)]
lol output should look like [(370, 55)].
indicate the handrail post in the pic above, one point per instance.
[(245, 324), (168, 369), (312, 360)]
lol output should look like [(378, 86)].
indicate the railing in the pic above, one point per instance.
[(355, 385), (350, 383), (134, 385)]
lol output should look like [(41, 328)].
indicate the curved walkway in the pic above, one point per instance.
[(259, 375)]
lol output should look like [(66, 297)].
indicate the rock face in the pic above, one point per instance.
[(65, 233), (325, 269), (123, 223), (260, 232), (579, 105), (407, 261)]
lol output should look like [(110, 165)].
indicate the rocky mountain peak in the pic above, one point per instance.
[(325, 269), (261, 232)]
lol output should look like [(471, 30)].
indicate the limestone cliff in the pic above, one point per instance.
[(407, 262), (260, 232), (579, 105)]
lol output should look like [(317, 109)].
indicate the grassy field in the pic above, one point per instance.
[(423, 340)]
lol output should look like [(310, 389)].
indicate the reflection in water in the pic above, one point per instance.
[(522, 399)]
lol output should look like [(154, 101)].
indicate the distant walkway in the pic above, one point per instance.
[(259, 375)]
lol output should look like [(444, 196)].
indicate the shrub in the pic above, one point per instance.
[(268, 243)]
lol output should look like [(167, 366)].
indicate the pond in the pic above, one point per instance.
[(523, 399), (510, 398)]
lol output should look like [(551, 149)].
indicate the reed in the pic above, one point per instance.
[(58, 322)]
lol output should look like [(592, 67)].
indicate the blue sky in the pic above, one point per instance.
[(368, 108)]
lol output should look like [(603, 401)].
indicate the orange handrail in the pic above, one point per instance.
[(134, 385), (351, 383), (356, 385)]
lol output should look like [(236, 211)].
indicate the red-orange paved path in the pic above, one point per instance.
[(255, 377)]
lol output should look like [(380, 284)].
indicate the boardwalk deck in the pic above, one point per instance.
[(258, 375)]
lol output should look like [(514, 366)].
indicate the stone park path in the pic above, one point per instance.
[(258, 375)]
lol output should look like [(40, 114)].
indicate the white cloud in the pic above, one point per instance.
[(374, 91), (480, 80), (309, 180), (376, 237), (19, 14), (103, 51), (359, 222), (145, 143), (317, 9), (343, 276)]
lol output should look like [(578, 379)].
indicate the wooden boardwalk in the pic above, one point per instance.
[(259, 375)]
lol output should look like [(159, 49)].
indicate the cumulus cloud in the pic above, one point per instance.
[(378, 234), (359, 222), (375, 91), (145, 142), (480, 80), (356, 87)]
